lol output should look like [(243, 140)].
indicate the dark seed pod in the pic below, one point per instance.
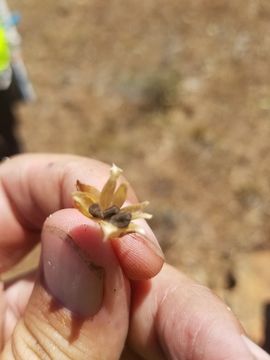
[(95, 211), (121, 220), (108, 213)]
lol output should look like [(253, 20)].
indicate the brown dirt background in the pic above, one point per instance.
[(177, 93)]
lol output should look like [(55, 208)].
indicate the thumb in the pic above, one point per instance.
[(79, 300)]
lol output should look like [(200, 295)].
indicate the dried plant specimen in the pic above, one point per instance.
[(107, 208)]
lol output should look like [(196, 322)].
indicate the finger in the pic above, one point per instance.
[(79, 300), (184, 321), (15, 299), (139, 256), (34, 186), (2, 310), (31, 188)]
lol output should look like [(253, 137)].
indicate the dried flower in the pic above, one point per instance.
[(106, 206)]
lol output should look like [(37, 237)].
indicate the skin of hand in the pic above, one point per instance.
[(93, 298)]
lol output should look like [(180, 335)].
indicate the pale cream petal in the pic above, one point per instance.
[(91, 190), (135, 207), (107, 192), (82, 196), (120, 195), (82, 202), (141, 215), (110, 230), (134, 228), (106, 195), (82, 209), (92, 197), (115, 171)]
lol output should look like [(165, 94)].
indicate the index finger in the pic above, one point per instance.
[(184, 321), (34, 186)]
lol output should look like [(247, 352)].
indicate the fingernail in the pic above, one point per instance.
[(257, 352), (153, 246), (69, 275)]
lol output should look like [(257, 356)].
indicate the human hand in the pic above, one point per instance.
[(93, 298)]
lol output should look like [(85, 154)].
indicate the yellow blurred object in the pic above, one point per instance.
[(4, 51)]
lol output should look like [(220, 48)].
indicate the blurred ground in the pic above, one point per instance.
[(177, 93)]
